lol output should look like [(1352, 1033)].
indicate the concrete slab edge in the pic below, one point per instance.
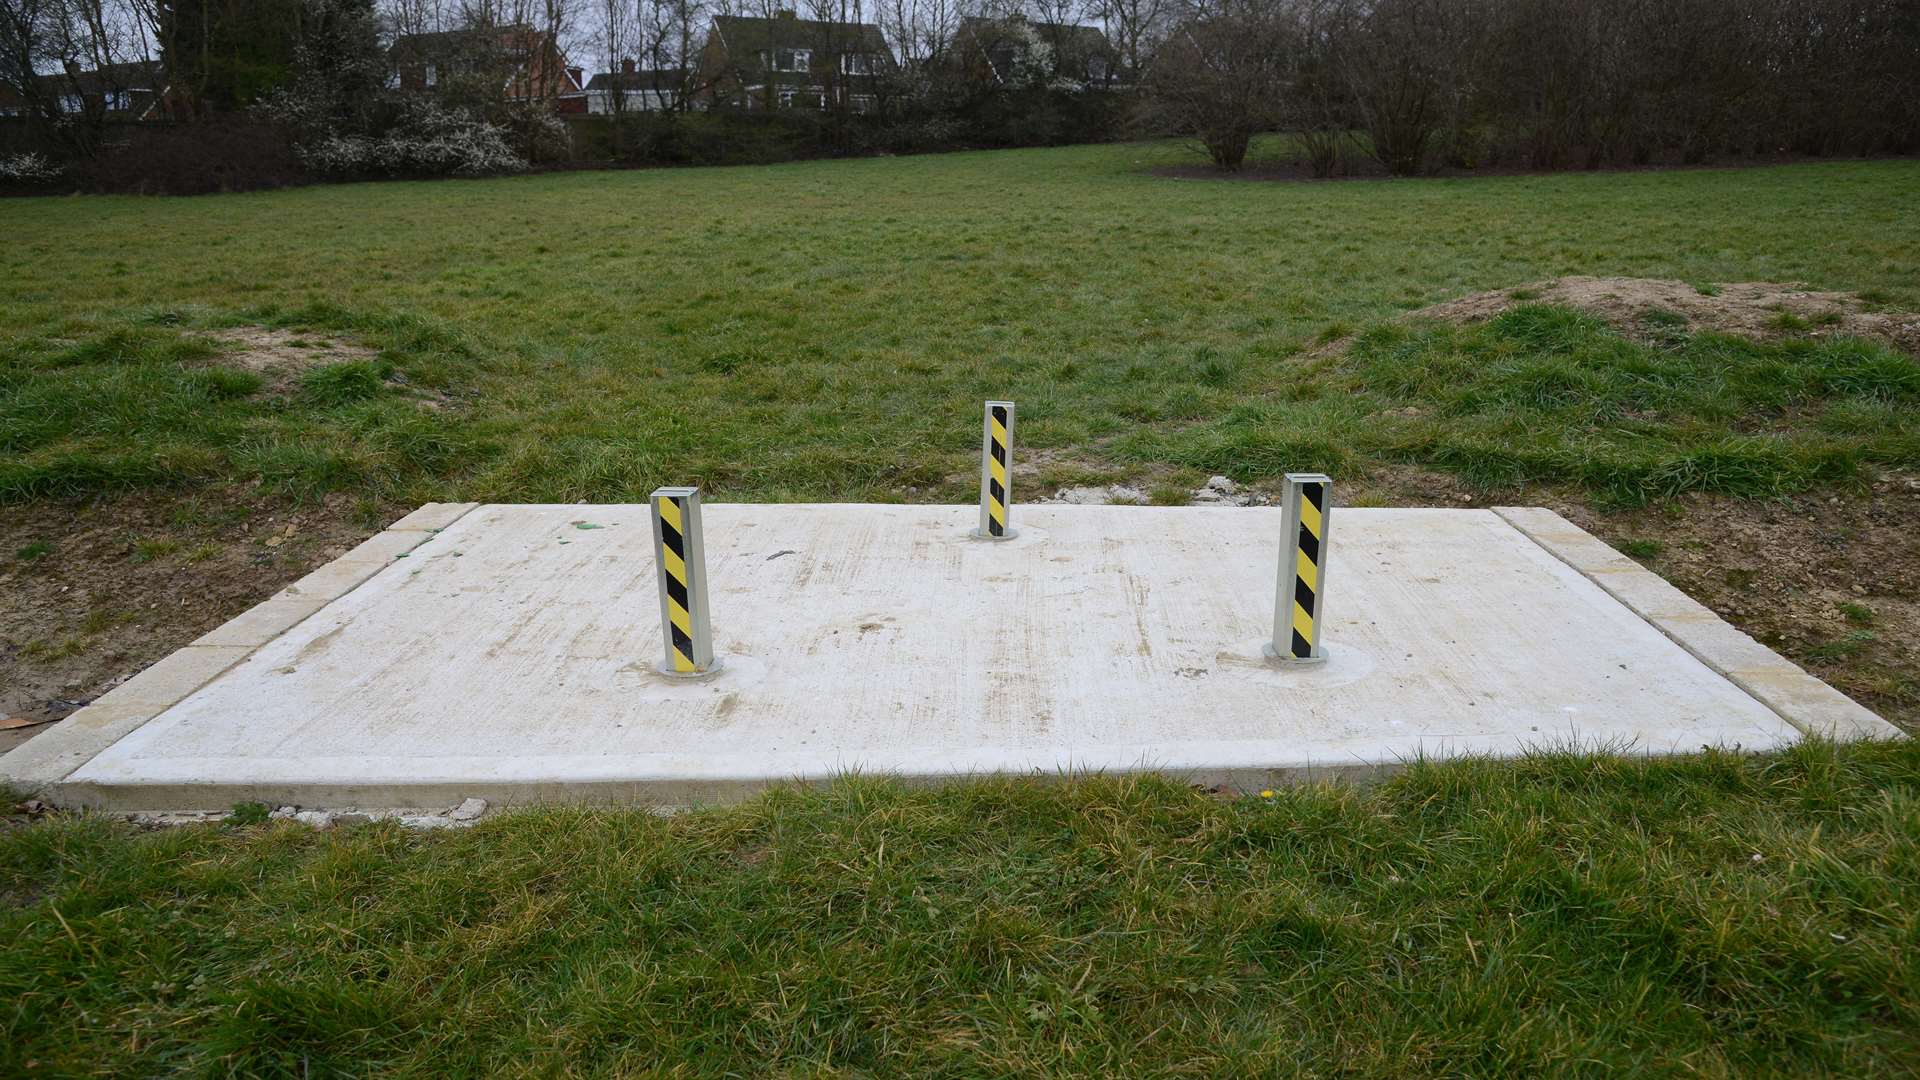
[(647, 792), (1807, 703), (38, 766)]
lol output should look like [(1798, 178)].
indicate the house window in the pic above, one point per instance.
[(863, 103), (792, 59), (786, 98), (856, 63), (1097, 69), (433, 75)]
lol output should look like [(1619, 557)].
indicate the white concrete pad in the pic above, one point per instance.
[(510, 656)]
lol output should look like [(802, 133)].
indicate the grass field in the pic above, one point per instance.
[(1720, 916), (827, 331)]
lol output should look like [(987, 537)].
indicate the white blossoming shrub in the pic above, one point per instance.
[(28, 168), (427, 140)]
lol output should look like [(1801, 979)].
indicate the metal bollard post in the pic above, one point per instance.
[(996, 471), (1300, 596), (681, 559)]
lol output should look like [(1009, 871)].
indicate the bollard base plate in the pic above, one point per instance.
[(668, 670), (1279, 657), (1008, 535)]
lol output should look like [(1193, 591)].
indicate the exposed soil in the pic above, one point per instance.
[(91, 593), (1653, 307), (280, 356)]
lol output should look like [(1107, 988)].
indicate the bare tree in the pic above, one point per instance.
[(1220, 77), (1400, 67), (1134, 27), (616, 32), (668, 33)]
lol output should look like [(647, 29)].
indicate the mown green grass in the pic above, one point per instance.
[(826, 330), (1580, 913)]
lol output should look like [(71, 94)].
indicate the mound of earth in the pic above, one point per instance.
[(1750, 309)]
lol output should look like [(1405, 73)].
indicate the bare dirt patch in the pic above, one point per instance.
[(92, 593), (282, 356), (1653, 307)]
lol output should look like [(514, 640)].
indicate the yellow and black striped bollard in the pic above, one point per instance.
[(996, 473), (1300, 596), (681, 562)]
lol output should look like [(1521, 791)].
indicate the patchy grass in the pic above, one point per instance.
[(1719, 914), (826, 330), (1536, 394), (1544, 394), (1857, 614), (142, 404)]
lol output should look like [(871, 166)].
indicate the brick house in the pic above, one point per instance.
[(789, 62), (524, 63), (130, 91), (1004, 51)]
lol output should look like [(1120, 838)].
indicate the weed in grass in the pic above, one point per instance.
[(1787, 320), (344, 384), (100, 620), (248, 813), (1642, 549), (1524, 294), (1842, 648), (1169, 495), (34, 552), (1706, 288), (147, 550), (200, 553), (1857, 614)]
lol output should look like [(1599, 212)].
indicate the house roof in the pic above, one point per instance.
[(642, 79), (472, 37), (136, 75), (515, 43), (1070, 37), (746, 35)]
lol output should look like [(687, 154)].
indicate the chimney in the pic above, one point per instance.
[(626, 66), (784, 13)]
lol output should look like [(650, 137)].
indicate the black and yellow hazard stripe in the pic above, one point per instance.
[(1308, 543), (679, 578), (997, 470)]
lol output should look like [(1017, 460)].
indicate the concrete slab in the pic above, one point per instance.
[(510, 657), (40, 765)]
